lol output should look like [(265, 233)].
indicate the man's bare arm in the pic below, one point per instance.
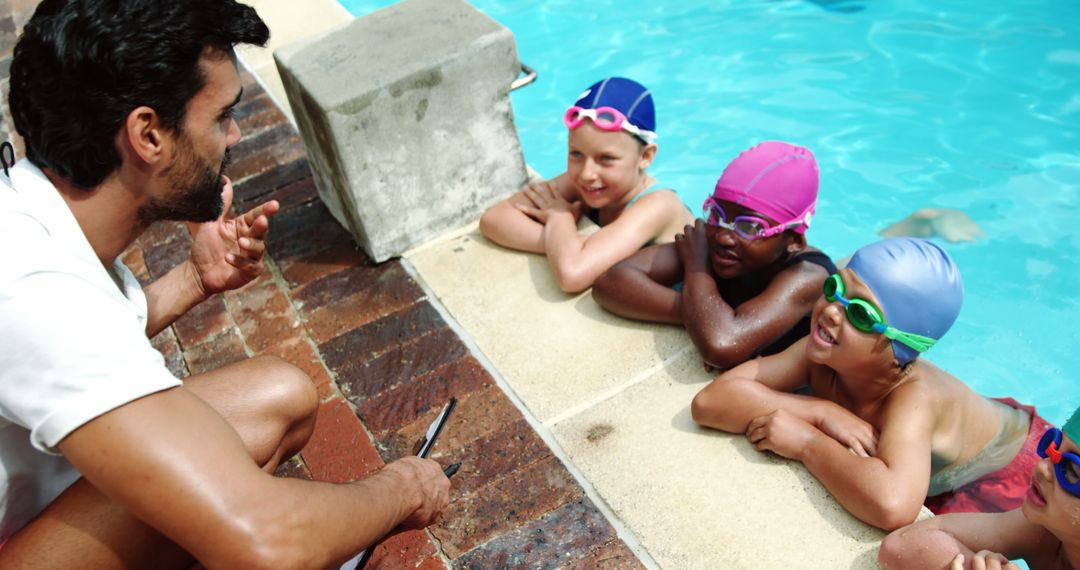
[(176, 464)]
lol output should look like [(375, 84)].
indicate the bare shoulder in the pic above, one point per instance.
[(805, 277), (665, 201)]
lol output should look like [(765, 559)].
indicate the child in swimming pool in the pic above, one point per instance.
[(882, 429), (612, 140), (1044, 532), (742, 280)]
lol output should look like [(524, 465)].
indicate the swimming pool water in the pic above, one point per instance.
[(906, 104)]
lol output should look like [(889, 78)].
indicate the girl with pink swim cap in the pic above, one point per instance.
[(742, 280), (612, 140)]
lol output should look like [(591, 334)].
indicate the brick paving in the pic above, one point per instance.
[(384, 361)]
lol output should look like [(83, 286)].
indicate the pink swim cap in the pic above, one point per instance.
[(774, 178)]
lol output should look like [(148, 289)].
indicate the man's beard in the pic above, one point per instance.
[(195, 189)]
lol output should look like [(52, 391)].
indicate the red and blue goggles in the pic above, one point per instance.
[(1066, 464)]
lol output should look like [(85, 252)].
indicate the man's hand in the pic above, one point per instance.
[(782, 433), (426, 479), (546, 200), (693, 248), (850, 430), (227, 252)]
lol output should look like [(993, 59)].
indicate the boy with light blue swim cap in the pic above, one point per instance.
[(611, 141), (1043, 531), (917, 286), (883, 429)]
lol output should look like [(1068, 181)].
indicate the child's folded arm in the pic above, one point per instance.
[(726, 336), (507, 225), (639, 287), (888, 490), (935, 542), (755, 388), (578, 260)]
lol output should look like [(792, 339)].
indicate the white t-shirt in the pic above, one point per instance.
[(73, 342)]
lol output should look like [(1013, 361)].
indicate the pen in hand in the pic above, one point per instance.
[(451, 469)]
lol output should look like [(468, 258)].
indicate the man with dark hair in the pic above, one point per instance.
[(106, 459)]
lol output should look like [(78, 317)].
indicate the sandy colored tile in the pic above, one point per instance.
[(699, 498), (558, 352)]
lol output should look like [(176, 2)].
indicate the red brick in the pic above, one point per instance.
[(504, 451), (165, 342), (503, 505), (162, 233), (162, 257), (340, 450), (295, 193), (133, 259), (403, 404), (433, 563), (377, 337), (257, 112), (256, 154), (402, 550), (206, 320), (355, 297), (264, 315), (476, 416), (215, 352), (614, 555), (399, 364), (341, 255), (558, 538), (265, 185), (293, 468), (298, 233)]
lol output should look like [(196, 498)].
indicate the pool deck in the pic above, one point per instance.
[(573, 425)]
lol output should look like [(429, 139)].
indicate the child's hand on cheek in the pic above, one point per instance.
[(693, 248), (781, 433)]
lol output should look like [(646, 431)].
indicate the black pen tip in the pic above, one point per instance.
[(451, 469)]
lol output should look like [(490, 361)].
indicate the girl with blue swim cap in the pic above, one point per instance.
[(1044, 532), (883, 428), (612, 141)]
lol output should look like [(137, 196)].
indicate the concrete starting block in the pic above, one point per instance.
[(407, 121)]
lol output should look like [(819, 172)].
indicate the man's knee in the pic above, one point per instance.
[(289, 387)]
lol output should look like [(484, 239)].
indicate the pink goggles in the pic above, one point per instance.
[(749, 228), (606, 119)]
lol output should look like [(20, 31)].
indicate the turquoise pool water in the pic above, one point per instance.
[(906, 103)]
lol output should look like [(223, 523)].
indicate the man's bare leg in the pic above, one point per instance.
[(269, 402)]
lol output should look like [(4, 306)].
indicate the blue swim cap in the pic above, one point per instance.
[(626, 95), (917, 286)]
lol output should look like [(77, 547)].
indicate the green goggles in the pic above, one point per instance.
[(866, 317)]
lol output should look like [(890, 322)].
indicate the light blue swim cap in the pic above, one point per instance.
[(917, 286)]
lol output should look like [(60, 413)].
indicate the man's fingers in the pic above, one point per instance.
[(958, 562), (267, 209), (253, 248)]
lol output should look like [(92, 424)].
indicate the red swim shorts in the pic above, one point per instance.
[(1004, 489)]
